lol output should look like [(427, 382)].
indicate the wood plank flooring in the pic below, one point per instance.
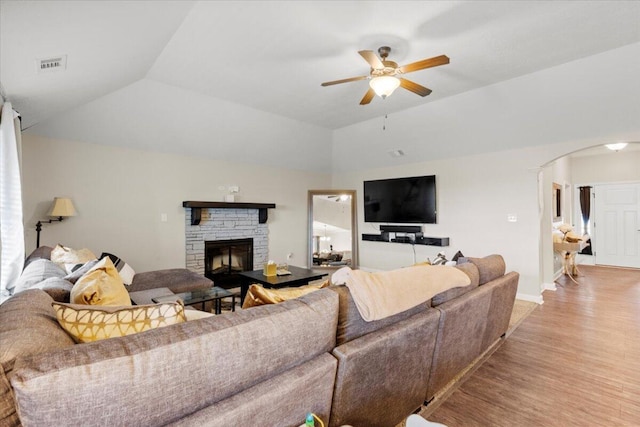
[(575, 361)]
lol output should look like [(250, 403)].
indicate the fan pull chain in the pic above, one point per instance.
[(384, 123)]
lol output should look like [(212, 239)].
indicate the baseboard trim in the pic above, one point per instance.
[(549, 287), (526, 297)]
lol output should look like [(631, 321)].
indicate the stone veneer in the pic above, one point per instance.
[(224, 224)]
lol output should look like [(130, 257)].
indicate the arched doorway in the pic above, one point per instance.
[(559, 180)]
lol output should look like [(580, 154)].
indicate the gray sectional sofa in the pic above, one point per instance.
[(268, 365)]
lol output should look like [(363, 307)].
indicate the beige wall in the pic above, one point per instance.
[(120, 194)]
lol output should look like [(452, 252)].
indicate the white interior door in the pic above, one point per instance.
[(617, 224)]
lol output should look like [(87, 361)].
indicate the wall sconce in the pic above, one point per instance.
[(61, 208)]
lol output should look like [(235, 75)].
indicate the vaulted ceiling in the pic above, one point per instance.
[(272, 56)]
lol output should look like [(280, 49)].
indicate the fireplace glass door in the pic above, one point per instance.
[(224, 259)]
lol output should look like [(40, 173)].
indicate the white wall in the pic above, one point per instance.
[(475, 194), (120, 194), (561, 170), (618, 166)]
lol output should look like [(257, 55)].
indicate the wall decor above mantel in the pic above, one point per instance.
[(196, 208)]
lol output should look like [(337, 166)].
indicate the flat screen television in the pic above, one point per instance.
[(401, 200)]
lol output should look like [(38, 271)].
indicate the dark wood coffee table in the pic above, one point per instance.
[(298, 277)]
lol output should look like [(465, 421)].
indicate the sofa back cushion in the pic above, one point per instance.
[(351, 325), (162, 375), (37, 271), (42, 252), (470, 270), (490, 267), (28, 326)]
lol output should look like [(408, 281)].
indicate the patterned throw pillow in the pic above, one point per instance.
[(101, 285), (90, 323), (124, 269)]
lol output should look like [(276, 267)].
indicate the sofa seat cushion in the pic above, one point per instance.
[(87, 324), (177, 279), (209, 359)]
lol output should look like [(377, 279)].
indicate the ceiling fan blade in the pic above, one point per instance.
[(425, 63), (372, 59), (414, 87), (351, 79), (368, 97)]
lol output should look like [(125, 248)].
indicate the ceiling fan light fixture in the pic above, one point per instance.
[(384, 86), (616, 147)]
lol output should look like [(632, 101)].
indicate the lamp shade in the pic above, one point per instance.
[(62, 207), (384, 86)]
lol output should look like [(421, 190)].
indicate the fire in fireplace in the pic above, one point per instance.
[(224, 259)]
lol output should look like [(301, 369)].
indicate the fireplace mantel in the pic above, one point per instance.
[(196, 209)]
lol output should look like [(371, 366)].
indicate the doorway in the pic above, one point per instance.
[(588, 167), (617, 225), (332, 229)]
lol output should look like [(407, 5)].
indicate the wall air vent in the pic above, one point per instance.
[(57, 63)]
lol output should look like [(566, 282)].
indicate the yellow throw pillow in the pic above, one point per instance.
[(101, 285), (87, 324), (62, 255), (258, 295)]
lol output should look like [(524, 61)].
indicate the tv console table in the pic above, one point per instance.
[(417, 240)]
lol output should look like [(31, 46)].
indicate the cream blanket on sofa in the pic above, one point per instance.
[(383, 294)]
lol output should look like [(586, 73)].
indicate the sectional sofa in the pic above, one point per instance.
[(268, 365)]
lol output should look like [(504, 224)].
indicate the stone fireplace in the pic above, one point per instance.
[(240, 230)]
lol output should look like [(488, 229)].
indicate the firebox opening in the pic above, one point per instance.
[(224, 259)]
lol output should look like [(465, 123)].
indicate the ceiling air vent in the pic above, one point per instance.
[(57, 63)]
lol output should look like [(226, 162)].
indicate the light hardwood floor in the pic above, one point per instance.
[(575, 361)]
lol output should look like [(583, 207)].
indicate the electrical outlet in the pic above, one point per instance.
[(512, 218), (289, 256)]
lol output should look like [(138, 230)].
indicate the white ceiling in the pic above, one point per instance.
[(272, 56)]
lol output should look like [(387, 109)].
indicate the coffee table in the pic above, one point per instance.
[(201, 296), (298, 277)]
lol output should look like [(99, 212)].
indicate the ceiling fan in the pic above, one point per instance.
[(385, 75), (339, 197)]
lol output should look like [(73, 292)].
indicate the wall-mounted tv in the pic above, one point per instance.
[(401, 200)]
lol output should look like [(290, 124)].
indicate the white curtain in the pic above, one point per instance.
[(11, 227)]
